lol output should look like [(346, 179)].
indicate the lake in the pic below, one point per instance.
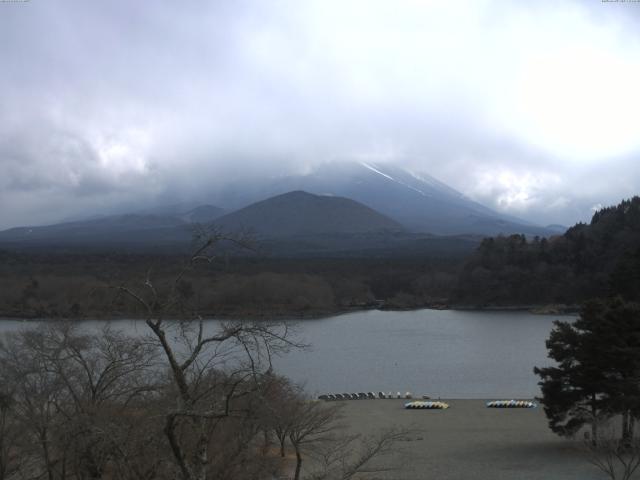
[(446, 353), (442, 353)]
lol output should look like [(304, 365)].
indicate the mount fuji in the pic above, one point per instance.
[(417, 201)]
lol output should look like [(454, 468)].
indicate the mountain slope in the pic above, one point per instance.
[(295, 224), (417, 201), (301, 213), (203, 214), (120, 229)]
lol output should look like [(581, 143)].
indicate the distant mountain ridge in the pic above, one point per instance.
[(415, 200), (294, 224), (310, 222), (339, 206), (114, 229)]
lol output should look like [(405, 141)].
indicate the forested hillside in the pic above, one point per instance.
[(598, 259)]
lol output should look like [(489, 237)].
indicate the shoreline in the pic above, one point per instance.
[(543, 309)]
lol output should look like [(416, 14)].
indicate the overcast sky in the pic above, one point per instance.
[(528, 107)]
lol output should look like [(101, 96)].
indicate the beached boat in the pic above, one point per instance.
[(511, 404), (418, 405)]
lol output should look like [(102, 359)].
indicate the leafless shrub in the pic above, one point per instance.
[(617, 458), (348, 456)]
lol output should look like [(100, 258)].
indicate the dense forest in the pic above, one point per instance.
[(82, 285), (598, 259)]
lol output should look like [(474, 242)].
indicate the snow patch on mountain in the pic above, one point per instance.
[(404, 184), (432, 182), (377, 171)]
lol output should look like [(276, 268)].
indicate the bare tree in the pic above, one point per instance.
[(37, 394), (209, 370), (106, 374), (70, 389), (279, 399), (189, 399), (315, 430), (312, 423), (11, 457)]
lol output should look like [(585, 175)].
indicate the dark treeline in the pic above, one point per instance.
[(77, 285), (599, 259)]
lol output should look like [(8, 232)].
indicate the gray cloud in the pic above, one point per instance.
[(113, 104)]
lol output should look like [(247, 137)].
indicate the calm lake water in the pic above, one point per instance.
[(443, 353)]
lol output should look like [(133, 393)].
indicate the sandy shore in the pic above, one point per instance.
[(470, 441)]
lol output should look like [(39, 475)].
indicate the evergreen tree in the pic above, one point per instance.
[(598, 369)]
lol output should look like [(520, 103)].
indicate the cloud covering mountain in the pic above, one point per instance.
[(528, 108)]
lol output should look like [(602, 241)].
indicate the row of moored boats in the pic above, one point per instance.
[(366, 396), (426, 405), (421, 405), (511, 404), (493, 404)]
